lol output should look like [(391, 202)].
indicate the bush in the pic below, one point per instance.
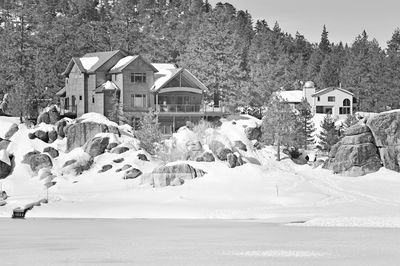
[(149, 133), (200, 129)]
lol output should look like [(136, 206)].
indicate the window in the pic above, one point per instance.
[(80, 97), (318, 98), (139, 100), (320, 110), (345, 110), (331, 98), (93, 99), (138, 78)]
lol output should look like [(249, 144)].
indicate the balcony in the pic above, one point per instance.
[(191, 109), (68, 110)]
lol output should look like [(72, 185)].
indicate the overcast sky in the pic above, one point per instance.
[(344, 19)]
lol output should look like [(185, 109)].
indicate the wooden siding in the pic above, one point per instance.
[(129, 88)]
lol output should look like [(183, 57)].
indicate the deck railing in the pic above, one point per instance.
[(188, 108), (68, 109)]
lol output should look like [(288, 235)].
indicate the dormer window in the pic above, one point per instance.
[(138, 78)]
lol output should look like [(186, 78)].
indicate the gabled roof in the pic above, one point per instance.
[(166, 74), (62, 92), (90, 62), (126, 61), (326, 90), (294, 96), (109, 85)]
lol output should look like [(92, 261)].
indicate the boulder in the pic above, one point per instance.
[(13, 129), (96, 146), (119, 150), (142, 157), (5, 164), (132, 174), (69, 162), (208, 157), (232, 160), (31, 135), (43, 118), (385, 128), (51, 151), (54, 115), (45, 173), (120, 160), (78, 134), (112, 145), (27, 157), (355, 154), (223, 153), (42, 135), (105, 168), (39, 161), (166, 175), (125, 167), (60, 125), (238, 144), (3, 195), (52, 136), (253, 133), (4, 144), (177, 182), (357, 129)]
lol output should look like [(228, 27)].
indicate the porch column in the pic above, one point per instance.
[(157, 109), (173, 123)]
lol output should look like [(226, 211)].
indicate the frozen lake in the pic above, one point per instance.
[(191, 242)]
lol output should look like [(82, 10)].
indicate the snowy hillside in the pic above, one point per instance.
[(260, 189)]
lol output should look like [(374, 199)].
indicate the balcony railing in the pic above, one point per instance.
[(68, 109), (187, 108)]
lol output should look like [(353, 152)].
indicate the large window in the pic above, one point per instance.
[(345, 110), (331, 98), (139, 100), (138, 77)]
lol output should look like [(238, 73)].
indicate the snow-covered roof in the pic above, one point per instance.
[(126, 61), (294, 96), (161, 66), (167, 72), (109, 85), (89, 62), (326, 90)]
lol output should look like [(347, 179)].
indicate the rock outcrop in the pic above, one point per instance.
[(253, 133), (13, 129), (39, 161), (355, 154), (5, 164), (166, 175), (385, 128), (81, 132), (133, 173), (51, 151), (96, 146)]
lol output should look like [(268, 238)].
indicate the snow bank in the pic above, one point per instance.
[(96, 118), (6, 123)]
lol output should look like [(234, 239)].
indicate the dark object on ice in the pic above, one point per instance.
[(19, 213)]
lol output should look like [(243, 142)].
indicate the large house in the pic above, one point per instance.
[(333, 100), (93, 82)]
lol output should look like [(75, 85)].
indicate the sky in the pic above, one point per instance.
[(344, 19)]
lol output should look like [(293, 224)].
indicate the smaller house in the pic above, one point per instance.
[(333, 100)]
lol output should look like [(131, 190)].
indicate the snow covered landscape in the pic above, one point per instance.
[(263, 188)]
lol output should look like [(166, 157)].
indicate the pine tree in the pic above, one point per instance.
[(279, 125), (149, 133), (329, 135), (117, 113), (324, 44), (306, 125)]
